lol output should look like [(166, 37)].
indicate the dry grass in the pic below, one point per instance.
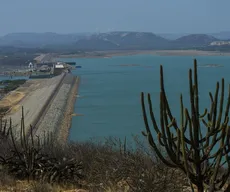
[(108, 167), (25, 186), (45, 187), (113, 167), (6, 180), (10, 184), (94, 166)]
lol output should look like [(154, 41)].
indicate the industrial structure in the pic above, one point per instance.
[(48, 69), (45, 66)]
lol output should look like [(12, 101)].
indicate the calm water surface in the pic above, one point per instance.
[(110, 93)]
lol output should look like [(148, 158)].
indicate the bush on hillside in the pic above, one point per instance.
[(94, 166)]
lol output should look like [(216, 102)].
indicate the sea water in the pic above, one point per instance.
[(108, 102)]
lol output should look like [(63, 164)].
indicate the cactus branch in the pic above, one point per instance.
[(190, 144)]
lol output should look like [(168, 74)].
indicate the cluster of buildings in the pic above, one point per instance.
[(219, 43), (47, 69), (45, 66)]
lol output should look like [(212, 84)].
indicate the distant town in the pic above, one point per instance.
[(220, 43)]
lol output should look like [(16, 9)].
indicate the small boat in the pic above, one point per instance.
[(77, 66)]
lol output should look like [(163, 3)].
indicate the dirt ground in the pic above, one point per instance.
[(12, 99), (32, 96)]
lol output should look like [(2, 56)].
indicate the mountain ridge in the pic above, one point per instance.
[(194, 40), (142, 40), (123, 40), (31, 39), (115, 40)]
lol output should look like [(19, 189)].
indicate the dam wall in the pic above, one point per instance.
[(47, 103), (58, 115), (63, 132), (35, 97)]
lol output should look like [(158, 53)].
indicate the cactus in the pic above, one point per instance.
[(31, 159), (187, 147), (4, 129)]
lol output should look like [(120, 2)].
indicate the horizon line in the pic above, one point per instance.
[(69, 33)]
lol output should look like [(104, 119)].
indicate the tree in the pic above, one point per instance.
[(190, 144)]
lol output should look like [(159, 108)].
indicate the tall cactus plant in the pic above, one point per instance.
[(31, 158), (191, 143)]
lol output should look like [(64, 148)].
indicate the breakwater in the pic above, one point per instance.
[(58, 115), (63, 132), (47, 103), (33, 96)]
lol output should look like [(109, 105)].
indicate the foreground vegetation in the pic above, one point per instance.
[(190, 155), (109, 166), (199, 144)]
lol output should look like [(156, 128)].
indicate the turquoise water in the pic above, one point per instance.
[(110, 93)]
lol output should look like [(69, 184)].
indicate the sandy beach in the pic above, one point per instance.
[(105, 54)]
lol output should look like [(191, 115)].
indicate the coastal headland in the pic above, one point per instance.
[(47, 103)]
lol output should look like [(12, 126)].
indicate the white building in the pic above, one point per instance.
[(219, 43), (30, 66), (59, 66)]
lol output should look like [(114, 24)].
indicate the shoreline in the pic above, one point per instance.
[(66, 122), (108, 54)]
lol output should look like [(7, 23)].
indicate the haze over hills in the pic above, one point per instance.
[(194, 40), (172, 36), (123, 41), (39, 39), (142, 41), (120, 40), (223, 35)]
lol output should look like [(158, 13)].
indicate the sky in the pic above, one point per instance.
[(73, 16)]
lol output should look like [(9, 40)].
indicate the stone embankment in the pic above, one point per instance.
[(58, 116), (63, 132), (36, 94)]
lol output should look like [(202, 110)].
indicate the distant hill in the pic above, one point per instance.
[(119, 40), (123, 41), (142, 41), (39, 39), (172, 36), (94, 43), (194, 40), (223, 35)]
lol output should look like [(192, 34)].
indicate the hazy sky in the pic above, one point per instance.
[(70, 16)]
